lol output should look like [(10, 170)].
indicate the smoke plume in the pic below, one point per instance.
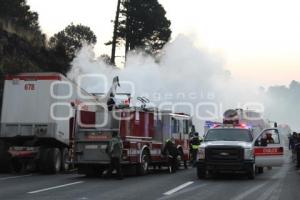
[(192, 79)]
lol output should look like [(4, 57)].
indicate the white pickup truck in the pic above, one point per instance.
[(237, 150)]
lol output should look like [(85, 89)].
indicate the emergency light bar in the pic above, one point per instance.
[(212, 124), (244, 126)]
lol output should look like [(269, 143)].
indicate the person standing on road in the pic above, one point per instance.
[(297, 149), (171, 152), (115, 152), (195, 143), (292, 139), (193, 130)]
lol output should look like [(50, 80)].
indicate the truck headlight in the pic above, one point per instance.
[(248, 154), (201, 154)]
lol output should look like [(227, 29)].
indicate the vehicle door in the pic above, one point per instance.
[(268, 148)]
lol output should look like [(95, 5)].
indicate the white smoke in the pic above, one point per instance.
[(184, 74), (282, 103)]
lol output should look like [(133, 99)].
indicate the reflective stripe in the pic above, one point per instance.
[(268, 151), (195, 146)]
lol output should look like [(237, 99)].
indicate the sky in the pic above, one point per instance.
[(259, 40)]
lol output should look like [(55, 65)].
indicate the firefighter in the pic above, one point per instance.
[(115, 152), (269, 138), (292, 140), (111, 102), (171, 152), (194, 146), (297, 149), (193, 130), (111, 106)]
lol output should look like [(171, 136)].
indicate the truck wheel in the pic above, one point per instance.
[(17, 165), (5, 160), (142, 168), (201, 172), (65, 166), (251, 172), (53, 161), (260, 170)]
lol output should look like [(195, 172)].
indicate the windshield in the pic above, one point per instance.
[(228, 135)]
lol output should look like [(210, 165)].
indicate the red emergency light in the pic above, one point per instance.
[(243, 126)]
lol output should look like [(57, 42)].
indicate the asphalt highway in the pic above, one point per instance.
[(277, 183)]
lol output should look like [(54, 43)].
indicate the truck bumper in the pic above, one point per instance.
[(242, 166)]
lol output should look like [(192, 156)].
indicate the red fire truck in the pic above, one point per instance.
[(143, 131)]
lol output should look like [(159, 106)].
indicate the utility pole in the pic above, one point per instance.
[(114, 40)]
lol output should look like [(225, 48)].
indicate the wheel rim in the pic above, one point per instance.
[(65, 160), (145, 163), (57, 163)]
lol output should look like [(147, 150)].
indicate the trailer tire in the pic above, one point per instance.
[(17, 166), (51, 161), (5, 160), (65, 166), (142, 168)]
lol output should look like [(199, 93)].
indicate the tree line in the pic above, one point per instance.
[(139, 24)]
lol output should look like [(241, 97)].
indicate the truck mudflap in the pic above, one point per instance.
[(23, 152), (23, 158)]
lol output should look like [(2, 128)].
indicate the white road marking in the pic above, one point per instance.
[(55, 187), (182, 192), (272, 192), (13, 177), (250, 191), (180, 187)]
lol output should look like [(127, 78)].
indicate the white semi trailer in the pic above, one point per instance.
[(39, 118)]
